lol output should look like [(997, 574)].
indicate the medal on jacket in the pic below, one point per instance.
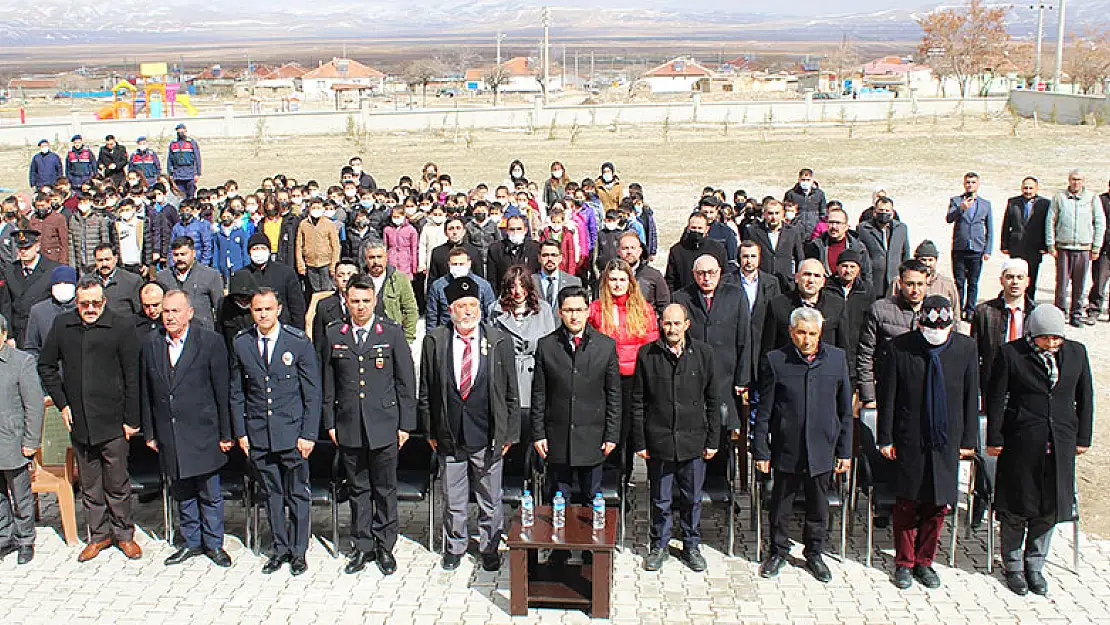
[(287, 359), (379, 362), (485, 349)]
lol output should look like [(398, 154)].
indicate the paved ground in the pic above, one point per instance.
[(55, 589)]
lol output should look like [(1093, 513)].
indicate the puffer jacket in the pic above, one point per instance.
[(888, 317)]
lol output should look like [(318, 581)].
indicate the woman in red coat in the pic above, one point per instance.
[(622, 313)]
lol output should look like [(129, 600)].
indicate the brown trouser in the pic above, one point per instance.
[(106, 489), (1071, 266)]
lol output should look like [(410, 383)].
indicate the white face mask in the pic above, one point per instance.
[(316, 213), (350, 192), (357, 170), (458, 271), (84, 208), (516, 238), (410, 210), (397, 221), (607, 177), (260, 256), (126, 215), (936, 336), (329, 213), (557, 173), (63, 292), (298, 200), (438, 219), (805, 185), (517, 173), (45, 149)]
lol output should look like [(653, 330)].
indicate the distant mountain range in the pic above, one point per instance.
[(47, 22)]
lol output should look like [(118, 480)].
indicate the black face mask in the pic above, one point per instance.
[(883, 218), (694, 237)]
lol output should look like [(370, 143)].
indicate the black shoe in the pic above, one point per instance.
[(183, 554), (491, 561), (1076, 323), (359, 560), (926, 576), (218, 557), (691, 557), (1015, 581), (387, 564), (655, 558), (771, 566), (451, 561), (298, 566), (26, 554), (274, 563), (5, 550), (1037, 583), (903, 577), (1091, 318), (881, 522), (816, 565)]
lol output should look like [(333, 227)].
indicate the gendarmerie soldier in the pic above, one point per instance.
[(369, 410), (25, 282), (275, 413)]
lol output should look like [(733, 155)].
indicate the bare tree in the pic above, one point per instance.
[(1088, 59), (844, 60), (962, 42), (458, 60), (421, 73), (496, 77)]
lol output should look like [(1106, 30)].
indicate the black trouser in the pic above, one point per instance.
[(1100, 276), (583, 481), (1034, 262), (785, 489), (622, 456), (372, 483), (284, 476), (966, 267), (106, 488), (690, 477)]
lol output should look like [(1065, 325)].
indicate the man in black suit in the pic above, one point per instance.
[(333, 307), (183, 402), (25, 282), (121, 287), (720, 318), (806, 402), (515, 249), (438, 265), (275, 413), (576, 400), (1023, 228), (278, 276), (809, 284), (369, 410), (780, 245), (758, 288), (550, 280)]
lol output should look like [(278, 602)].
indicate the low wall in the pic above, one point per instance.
[(1058, 108), (233, 124)]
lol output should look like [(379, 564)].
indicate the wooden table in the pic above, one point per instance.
[(561, 585)]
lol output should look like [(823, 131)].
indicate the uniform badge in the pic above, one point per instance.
[(287, 359), (378, 328), (344, 329), (379, 363)]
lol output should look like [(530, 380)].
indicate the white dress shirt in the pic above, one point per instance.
[(272, 336), (365, 330), (457, 355), (176, 347), (751, 289)]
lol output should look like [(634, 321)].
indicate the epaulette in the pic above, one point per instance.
[(244, 331), (297, 332)]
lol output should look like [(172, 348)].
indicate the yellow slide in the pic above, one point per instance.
[(183, 100), (115, 110)]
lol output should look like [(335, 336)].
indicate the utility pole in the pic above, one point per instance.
[(1059, 46), (500, 36), (592, 68), (577, 82), (545, 16)]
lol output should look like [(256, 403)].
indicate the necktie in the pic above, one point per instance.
[(1028, 210), (27, 271), (467, 362), (1012, 332), (577, 342), (708, 302), (550, 296), (266, 351), (360, 337)]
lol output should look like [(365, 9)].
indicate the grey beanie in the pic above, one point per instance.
[(1046, 320)]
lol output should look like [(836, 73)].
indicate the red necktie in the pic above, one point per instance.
[(577, 342), (1012, 333), (708, 302), (467, 362)]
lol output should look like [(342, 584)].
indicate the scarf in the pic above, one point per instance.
[(935, 408), (1048, 359)]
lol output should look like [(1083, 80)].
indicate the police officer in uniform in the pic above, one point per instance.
[(275, 411), (369, 410)]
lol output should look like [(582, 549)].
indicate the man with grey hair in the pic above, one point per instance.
[(20, 437), (1074, 229), (805, 398)]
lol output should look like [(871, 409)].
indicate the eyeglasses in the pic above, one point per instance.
[(96, 303), (707, 272)]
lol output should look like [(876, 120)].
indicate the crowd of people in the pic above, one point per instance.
[(132, 296)]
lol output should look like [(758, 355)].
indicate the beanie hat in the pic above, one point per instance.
[(1046, 320), (460, 288), (927, 249), (258, 238), (936, 312), (850, 256), (63, 274)]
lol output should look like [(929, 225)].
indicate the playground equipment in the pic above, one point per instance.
[(129, 102)]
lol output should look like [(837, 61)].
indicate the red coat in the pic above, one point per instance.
[(628, 346)]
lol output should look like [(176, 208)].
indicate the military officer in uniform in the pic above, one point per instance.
[(275, 412), (369, 410), (25, 282)]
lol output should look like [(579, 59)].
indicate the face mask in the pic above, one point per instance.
[(438, 219), (883, 218), (639, 208), (458, 271), (610, 226), (366, 203), (516, 238), (479, 217), (607, 177), (936, 336), (142, 147), (350, 192), (297, 200), (805, 185), (517, 173), (63, 292), (694, 237), (397, 221), (316, 213), (361, 223), (556, 227), (790, 215), (260, 256), (181, 135), (84, 208), (329, 213), (227, 221), (45, 149), (556, 173), (357, 170), (127, 215), (410, 210)]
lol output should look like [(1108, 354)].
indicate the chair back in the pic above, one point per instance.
[(987, 464), (873, 466), (416, 466)]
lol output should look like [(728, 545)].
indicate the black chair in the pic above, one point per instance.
[(147, 479), (235, 485), (762, 484), (416, 472), (327, 484), (721, 477)]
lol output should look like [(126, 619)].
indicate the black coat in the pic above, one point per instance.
[(503, 255), (1021, 238), (438, 263), (654, 287), (676, 414), (115, 156), (122, 292), (369, 391), (437, 377), (328, 310), (18, 293), (726, 328), (767, 288), (1024, 416), (901, 399), (185, 408), (804, 419), (284, 281), (576, 397), (287, 240), (776, 327), (782, 260), (100, 383), (855, 314), (989, 326), (681, 257)]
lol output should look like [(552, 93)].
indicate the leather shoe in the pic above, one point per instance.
[(131, 549), (218, 557), (655, 558), (691, 556), (26, 554), (1037, 583), (274, 563), (926, 576), (387, 564), (451, 561), (358, 561), (771, 566), (7, 549), (298, 566), (183, 554), (1015, 581), (92, 550), (816, 566), (491, 561), (903, 577)]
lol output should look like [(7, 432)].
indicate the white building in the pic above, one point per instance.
[(676, 76), (317, 83)]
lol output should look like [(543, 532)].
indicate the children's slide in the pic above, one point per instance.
[(115, 110), (184, 100)]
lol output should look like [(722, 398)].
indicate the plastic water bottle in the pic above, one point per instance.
[(599, 512), (527, 510), (558, 511)]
